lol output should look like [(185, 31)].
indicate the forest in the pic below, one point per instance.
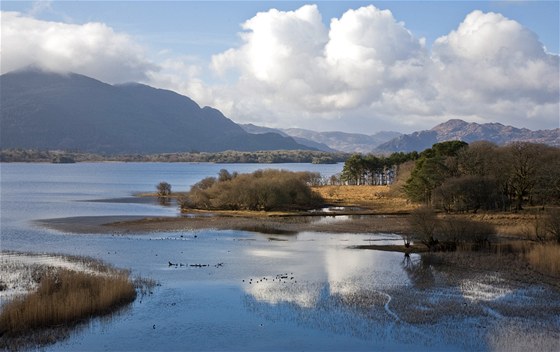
[(456, 177)]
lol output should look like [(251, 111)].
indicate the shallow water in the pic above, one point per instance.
[(235, 290)]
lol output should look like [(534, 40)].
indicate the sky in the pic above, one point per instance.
[(349, 66)]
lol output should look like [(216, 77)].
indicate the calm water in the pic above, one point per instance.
[(258, 292)]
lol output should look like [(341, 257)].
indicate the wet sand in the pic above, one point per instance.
[(257, 223), (85, 224)]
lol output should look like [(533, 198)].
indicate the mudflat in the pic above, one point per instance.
[(363, 223)]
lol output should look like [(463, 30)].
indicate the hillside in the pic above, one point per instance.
[(45, 110), (469, 132)]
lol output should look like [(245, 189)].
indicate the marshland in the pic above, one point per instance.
[(337, 278)]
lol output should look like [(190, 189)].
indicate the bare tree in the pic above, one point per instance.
[(163, 189), (525, 159), (424, 224), (552, 224)]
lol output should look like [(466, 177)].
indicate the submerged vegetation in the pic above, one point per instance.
[(450, 233), (461, 234)]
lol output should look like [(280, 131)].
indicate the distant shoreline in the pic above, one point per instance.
[(223, 157)]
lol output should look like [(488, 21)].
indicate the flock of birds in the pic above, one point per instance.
[(219, 265), (280, 278)]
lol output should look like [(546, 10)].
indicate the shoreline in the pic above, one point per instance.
[(264, 223), (362, 222)]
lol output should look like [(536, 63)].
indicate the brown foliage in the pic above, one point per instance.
[(545, 259), (163, 189), (466, 231), (423, 223), (261, 190), (447, 234), (65, 297)]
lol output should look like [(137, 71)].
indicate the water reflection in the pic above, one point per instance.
[(333, 280), (164, 201), (390, 298), (419, 270), (329, 219)]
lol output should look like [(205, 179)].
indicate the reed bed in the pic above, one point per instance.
[(66, 297), (545, 259)]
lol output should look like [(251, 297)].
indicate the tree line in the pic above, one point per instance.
[(269, 157), (374, 170), (456, 176)]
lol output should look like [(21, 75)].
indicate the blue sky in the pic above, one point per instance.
[(196, 48), (209, 27)]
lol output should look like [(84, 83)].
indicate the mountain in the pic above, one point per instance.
[(469, 132), (304, 141), (330, 141), (46, 110), (342, 141)]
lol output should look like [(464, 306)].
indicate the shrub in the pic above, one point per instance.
[(261, 190), (423, 223), (447, 234), (552, 224), (466, 231)]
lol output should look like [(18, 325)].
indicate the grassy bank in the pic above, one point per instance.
[(380, 199)]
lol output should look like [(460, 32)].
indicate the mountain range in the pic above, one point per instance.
[(469, 132), (45, 110), (330, 141), (388, 142), (51, 111)]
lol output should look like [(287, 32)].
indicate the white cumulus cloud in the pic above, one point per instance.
[(495, 68), (93, 49), (364, 71), (291, 61), (368, 69)]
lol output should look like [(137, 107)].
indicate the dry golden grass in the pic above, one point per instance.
[(545, 259), (381, 199), (64, 298), (519, 225)]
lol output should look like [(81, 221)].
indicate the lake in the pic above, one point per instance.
[(308, 291)]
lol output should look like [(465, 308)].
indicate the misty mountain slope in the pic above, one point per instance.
[(469, 132), (330, 141), (54, 111), (346, 142), (304, 141)]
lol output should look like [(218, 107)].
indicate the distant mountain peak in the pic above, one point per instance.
[(456, 129), (450, 125)]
